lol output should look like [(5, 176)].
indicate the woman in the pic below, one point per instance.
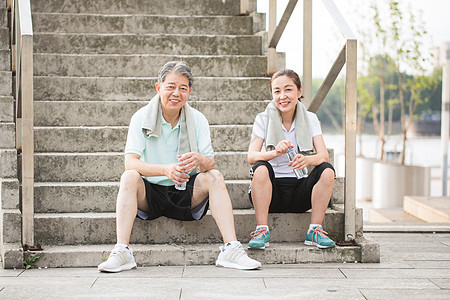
[(285, 125)]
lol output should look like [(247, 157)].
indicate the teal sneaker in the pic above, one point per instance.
[(318, 237), (260, 239)]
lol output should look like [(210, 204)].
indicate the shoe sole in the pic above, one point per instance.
[(309, 243), (226, 264), (259, 248), (125, 267)]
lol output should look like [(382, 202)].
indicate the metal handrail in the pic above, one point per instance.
[(22, 66), (347, 56)]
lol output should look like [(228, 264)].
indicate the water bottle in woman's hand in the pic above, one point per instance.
[(291, 153)]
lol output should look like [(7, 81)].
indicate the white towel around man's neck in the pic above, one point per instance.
[(274, 131), (151, 126)]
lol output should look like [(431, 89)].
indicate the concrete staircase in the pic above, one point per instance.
[(95, 64)]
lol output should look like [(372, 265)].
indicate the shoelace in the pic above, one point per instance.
[(258, 233), (237, 246), (318, 231)]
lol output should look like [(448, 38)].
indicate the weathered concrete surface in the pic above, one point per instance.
[(9, 193), (118, 113), (109, 166), (5, 60), (414, 272), (6, 109), (11, 220), (147, 43), (90, 228), (143, 88), (154, 7), (5, 83), (142, 24), (147, 65), (8, 163), (112, 139), (7, 135)]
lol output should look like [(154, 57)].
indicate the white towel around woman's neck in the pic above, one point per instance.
[(274, 131), (151, 126)]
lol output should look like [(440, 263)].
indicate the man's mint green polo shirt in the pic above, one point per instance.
[(164, 150)]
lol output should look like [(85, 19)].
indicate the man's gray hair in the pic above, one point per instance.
[(179, 67)]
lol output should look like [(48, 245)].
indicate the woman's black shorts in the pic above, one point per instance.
[(172, 203), (289, 194)]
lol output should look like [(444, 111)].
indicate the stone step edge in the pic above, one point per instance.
[(208, 56), (198, 254), (148, 77), (140, 34), (137, 15), (418, 207)]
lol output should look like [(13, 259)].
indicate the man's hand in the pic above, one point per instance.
[(176, 174), (188, 161)]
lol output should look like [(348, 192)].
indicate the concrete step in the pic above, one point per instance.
[(198, 254), (172, 44), (428, 209), (4, 38), (171, 7), (118, 113), (108, 166), (145, 65), (5, 60), (5, 83), (141, 24), (83, 197), (391, 215), (3, 17), (86, 139), (7, 135), (140, 88), (6, 109), (98, 167), (99, 228)]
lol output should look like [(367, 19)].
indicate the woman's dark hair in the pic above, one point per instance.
[(289, 73)]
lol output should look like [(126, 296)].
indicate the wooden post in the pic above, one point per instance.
[(272, 52), (307, 53), (350, 141)]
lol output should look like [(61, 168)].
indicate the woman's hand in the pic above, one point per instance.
[(282, 147), (176, 174), (299, 162)]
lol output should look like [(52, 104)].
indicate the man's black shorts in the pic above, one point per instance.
[(172, 203), (289, 194)]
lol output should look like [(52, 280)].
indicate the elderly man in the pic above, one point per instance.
[(169, 171)]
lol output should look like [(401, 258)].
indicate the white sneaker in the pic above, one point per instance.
[(120, 259), (233, 255)]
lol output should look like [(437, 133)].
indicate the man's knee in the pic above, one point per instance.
[(214, 177), (130, 178)]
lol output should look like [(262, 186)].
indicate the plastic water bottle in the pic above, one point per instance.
[(181, 187), (291, 153)]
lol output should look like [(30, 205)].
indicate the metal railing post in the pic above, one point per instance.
[(307, 52), (350, 141), (245, 7), (272, 52), (24, 116), (27, 142)]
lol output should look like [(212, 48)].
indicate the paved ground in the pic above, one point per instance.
[(413, 266)]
